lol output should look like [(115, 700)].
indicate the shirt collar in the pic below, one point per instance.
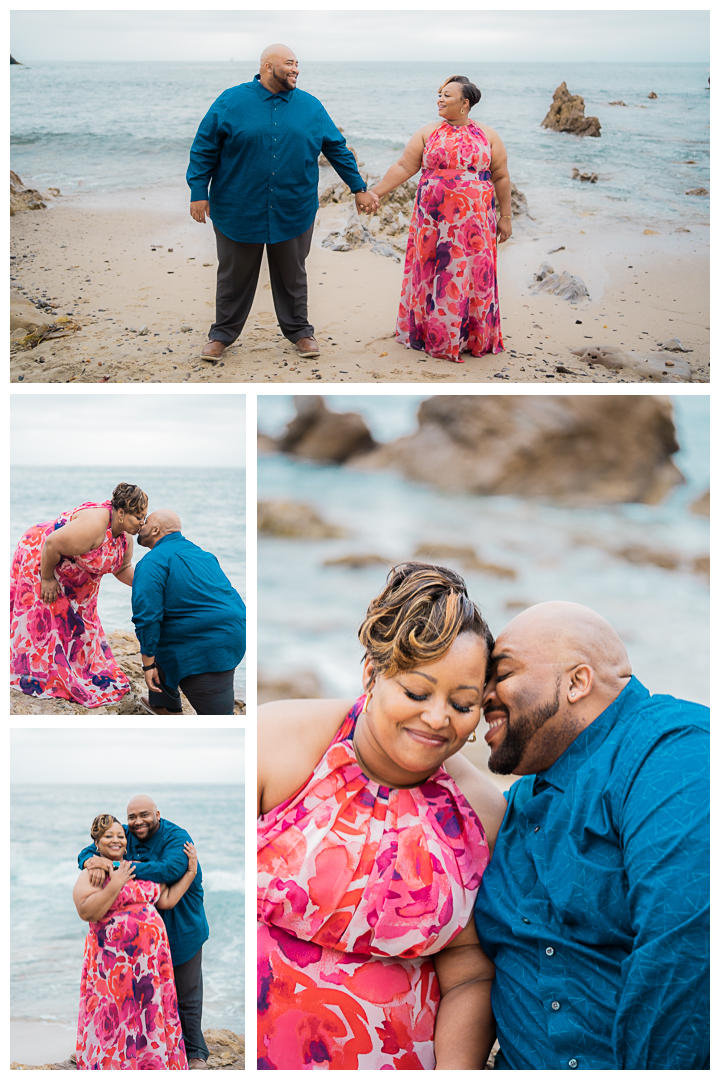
[(580, 749), (264, 94), (170, 536)]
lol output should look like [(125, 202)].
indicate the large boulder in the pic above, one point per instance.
[(321, 435), (567, 113), (575, 449), (126, 650), (293, 520)]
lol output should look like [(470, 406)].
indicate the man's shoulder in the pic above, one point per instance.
[(308, 101), (659, 714), (171, 831)]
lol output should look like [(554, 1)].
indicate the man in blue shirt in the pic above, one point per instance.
[(156, 848), (189, 620), (595, 908), (257, 151)]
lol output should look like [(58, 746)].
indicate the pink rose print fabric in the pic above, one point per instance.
[(128, 1006), (449, 300), (358, 885), (59, 650)]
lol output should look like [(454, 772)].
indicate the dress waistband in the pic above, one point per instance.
[(484, 174)]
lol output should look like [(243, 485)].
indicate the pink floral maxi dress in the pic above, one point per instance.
[(449, 299), (59, 650), (128, 1006), (358, 885)]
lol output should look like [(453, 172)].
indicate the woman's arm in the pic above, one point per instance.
[(125, 573), (465, 1025), (170, 894), (501, 180), (92, 902), (84, 533), (292, 737), (406, 166)]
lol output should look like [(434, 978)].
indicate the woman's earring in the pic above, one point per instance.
[(367, 702), (473, 737)]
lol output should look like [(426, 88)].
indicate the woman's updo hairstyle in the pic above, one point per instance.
[(469, 89), (130, 498), (101, 824), (417, 617)]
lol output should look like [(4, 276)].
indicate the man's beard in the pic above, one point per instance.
[(507, 757), (284, 81), (140, 540)]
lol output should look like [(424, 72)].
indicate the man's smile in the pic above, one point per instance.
[(496, 718)]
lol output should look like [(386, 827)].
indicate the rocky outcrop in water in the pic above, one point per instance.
[(319, 434), (567, 113), (126, 650), (227, 1051), (575, 449), (289, 686), (292, 520), (25, 198)]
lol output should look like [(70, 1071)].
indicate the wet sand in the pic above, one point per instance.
[(92, 257)]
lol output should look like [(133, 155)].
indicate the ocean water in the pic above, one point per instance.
[(309, 613), (49, 827), (210, 502), (108, 126)]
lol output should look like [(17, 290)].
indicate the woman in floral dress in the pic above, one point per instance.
[(58, 645), (128, 1006), (449, 300), (372, 846)]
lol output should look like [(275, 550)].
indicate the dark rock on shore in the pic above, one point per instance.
[(126, 650), (288, 687), (587, 178), (25, 198), (14, 61), (573, 449), (652, 96), (292, 520), (319, 434), (463, 556), (564, 285), (653, 366), (567, 113), (227, 1051)]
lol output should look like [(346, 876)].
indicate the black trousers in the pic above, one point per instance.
[(189, 987), (237, 278), (210, 694)]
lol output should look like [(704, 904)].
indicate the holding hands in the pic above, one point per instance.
[(124, 873), (366, 202)]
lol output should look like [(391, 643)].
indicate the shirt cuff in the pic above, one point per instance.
[(199, 193)]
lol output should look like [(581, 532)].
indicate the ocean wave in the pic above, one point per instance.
[(215, 881)]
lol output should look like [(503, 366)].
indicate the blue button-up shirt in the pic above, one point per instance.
[(595, 907), (161, 858), (258, 153), (186, 613)]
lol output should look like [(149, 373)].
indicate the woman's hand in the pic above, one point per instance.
[(124, 873), (504, 229), (191, 853), (49, 589)]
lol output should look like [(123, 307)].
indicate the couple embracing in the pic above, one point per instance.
[(409, 913), (141, 989)]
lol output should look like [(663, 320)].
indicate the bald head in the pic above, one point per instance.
[(278, 68), (143, 817), (555, 668), (157, 525)]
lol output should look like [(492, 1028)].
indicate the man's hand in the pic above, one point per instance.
[(366, 202), (199, 209), (97, 867), (152, 678)]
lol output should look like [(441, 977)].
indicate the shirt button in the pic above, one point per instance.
[(555, 1006), (549, 951), (573, 1063), (537, 828), (526, 921)]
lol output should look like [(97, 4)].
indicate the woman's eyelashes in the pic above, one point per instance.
[(423, 697)]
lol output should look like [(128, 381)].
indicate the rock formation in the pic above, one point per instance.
[(653, 366), (227, 1051), (24, 198), (321, 435), (567, 113), (586, 177), (574, 449), (652, 96), (14, 61), (563, 285), (288, 687), (293, 521), (698, 191), (126, 650), (701, 505)]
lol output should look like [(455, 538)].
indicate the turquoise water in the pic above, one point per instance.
[(309, 613), (49, 827), (108, 126), (210, 502)]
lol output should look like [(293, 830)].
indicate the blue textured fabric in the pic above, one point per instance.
[(257, 152), (162, 859), (595, 907), (186, 613)]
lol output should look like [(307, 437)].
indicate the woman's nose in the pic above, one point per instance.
[(436, 714)]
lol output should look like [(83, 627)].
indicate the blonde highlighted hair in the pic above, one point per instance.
[(417, 617), (101, 824)]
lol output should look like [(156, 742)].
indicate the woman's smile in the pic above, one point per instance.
[(427, 738)]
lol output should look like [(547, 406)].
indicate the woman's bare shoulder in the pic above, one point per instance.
[(486, 799), (292, 738)]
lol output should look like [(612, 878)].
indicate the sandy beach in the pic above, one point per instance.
[(121, 264), (37, 1042)]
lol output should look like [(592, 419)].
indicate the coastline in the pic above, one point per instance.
[(92, 255)]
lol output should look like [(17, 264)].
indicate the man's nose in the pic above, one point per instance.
[(490, 693)]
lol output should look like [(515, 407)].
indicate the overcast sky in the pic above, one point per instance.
[(205, 430), (142, 757), (431, 33)]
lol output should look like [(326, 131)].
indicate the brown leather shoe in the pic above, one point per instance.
[(213, 348), (197, 1063), (307, 347), (157, 712)]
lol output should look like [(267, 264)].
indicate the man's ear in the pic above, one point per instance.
[(582, 680)]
